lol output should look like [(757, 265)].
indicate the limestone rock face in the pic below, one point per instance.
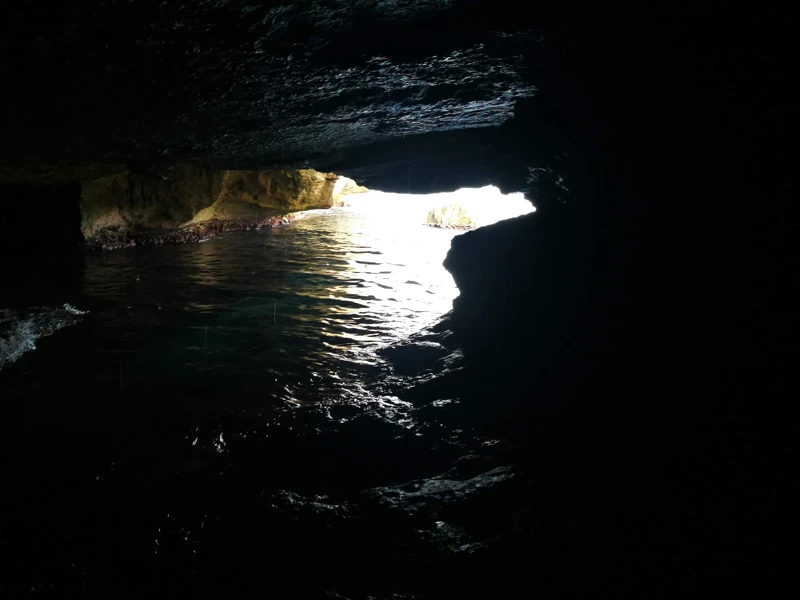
[(243, 194), (131, 202), (128, 201), (451, 216), (346, 187), (284, 190)]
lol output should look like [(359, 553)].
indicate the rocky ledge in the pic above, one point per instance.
[(189, 204), (115, 238)]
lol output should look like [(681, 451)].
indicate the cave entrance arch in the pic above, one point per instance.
[(406, 238)]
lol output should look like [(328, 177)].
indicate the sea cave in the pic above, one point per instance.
[(393, 299)]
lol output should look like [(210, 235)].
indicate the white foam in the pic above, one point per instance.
[(19, 330)]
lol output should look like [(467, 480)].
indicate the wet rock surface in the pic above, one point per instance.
[(115, 238), (244, 85)]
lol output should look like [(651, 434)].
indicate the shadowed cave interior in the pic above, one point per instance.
[(278, 317)]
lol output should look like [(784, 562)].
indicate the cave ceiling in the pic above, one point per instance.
[(241, 83)]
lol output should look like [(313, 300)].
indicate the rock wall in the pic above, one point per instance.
[(450, 216), (345, 187), (130, 201), (531, 290), (128, 208)]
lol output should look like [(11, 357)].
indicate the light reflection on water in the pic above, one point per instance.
[(295, 313), (210, 388)]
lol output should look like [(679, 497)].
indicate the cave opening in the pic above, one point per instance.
[(418, 229)]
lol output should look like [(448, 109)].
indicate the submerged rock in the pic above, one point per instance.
[(431, 495), (413, 358)]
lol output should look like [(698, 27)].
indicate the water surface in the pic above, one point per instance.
[(210, 388)]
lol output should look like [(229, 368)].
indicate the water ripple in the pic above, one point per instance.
[(329, 290)]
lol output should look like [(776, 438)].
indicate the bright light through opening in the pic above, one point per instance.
[(409, 271), (484, 206)]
